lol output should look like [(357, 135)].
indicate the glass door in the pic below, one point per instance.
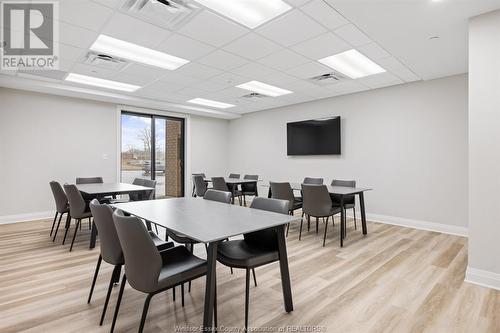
[(153, 148)]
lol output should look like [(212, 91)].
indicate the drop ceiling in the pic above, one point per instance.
[(284, 52)]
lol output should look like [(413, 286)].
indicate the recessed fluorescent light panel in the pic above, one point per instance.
[(94, 81), (353, 64), (249, 13), (209, 102), (264, 89), (130, 51)]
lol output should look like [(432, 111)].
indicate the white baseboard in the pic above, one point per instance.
[(482, 278), (416, 224), (26, 217)]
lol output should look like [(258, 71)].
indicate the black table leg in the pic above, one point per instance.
[(93, 235), (269, 194), (363, 214), (208, 309), (285, 273), (342, 217), (256, 190)]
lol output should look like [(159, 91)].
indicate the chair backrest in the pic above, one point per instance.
[(219, 184), (77, 204), (89, 180), (266, 238), (348, 199), (282, 191), (138, 181), (316, 200), (249, 187), (200, 186), (219, 196), (199, 174), (111, 250), (346, 183), (313, 181), (150, 195), (234, 175), (59, 197), (143, 262)]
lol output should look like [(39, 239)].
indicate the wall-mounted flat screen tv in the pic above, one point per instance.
[(314, 137)]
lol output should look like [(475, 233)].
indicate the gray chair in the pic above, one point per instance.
[(89, 180), (313, 181), (317, 203), (283, 191), (149, 270), (139, 196), (62, 206), (200, 186), (234, 175), (219, 184), (197, 174), (249, 188), (78, 209), (111, 250), (349, 200), (255, 249)]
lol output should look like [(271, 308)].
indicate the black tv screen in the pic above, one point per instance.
[(314, 137)]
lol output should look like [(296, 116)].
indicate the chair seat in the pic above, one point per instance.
[(160, 243), (296, 205), (179, 266), (249, 193), (240, 254)]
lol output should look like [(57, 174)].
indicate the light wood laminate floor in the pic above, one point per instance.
[(393, 280)]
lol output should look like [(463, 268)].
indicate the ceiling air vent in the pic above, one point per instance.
[(329, 78), (254, 95), (104, 61), (165, 13)]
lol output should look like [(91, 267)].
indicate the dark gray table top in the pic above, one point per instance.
[(235, 180), (204, 220), (340, 190), (110, 188)]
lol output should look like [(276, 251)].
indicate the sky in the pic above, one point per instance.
[(131, 127)]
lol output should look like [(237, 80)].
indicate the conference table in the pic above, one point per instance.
[(101, 190), (211, 222), (341, 192)]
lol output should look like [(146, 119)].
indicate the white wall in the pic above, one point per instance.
[(408, 143), (484, 150), (46, 137)]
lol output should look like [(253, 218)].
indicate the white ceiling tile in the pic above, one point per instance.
[(71, 53), (380, 80), (347, 87), (373, 51), (279, 78), (191, 92), (322, 46), (212, 29), (223, 60), (144, 74), (92, 71), (291, 28), (309, 70), (297, 3), (133, 30), (158, 87), (406, 75), (76, 36), (283, 60), (254, 71), (390, 64), (353, 35), (209, 86), (132, 79), (84, 13), (324, 14), (184, 47), (198, 71), (228, 79), (252, 46), (108, 3), (177, 77), (233, 92)]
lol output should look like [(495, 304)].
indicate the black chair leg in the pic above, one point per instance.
[(156, 228), (57, 228), (110, 287), (326, 227), (68, 222), (317, 224), (247, 296), (287, 228), (173, 293), (300, 231), (145, 312), (182, 294), (231, 270), (215, 304), (308, 223), (118, 302), (355, 226), (254, 278), (74, 235), (90, 223), (53, 223), (95, 278)]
